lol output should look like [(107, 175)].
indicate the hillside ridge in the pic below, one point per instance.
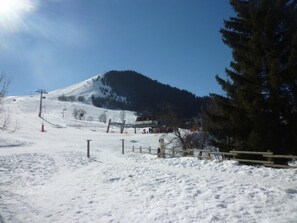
[(130, 90)]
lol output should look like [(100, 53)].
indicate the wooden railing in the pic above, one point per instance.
[(147, 150), (267, 158), (257, 161), (176, 152)]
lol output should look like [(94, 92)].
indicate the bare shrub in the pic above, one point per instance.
[(79, 113), (5, 119), (103, 117)]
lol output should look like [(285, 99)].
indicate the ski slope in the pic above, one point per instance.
[(46, 176)]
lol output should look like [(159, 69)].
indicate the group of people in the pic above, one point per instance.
[(157, 130)]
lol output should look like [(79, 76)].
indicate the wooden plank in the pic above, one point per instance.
[(253, 161), (279, 166), (281, 156), (197, 150), (189, 150), (177, 151), (204, 157), (251, 152), (202, 150), (222, 153), (145, 150), (171, 152)]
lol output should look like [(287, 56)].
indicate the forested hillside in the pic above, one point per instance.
[(149, 96)]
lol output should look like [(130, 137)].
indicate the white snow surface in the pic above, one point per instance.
[(87, 88), (47, 177)]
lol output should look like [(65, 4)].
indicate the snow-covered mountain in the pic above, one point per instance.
[(129, 90), (86, 90)]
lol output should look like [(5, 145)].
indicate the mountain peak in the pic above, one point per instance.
[(130, 90), (87, 89)]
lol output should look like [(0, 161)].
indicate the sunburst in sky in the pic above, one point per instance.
[(13, 14)]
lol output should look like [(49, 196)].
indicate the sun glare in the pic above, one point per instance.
[(13, 13)]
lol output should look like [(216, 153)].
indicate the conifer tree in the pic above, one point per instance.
[(259, 110)]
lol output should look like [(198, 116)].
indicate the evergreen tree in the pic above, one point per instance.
[(149, 96), (259, 110)]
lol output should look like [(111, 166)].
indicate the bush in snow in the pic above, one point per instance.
[(103, 117), (66, 98), (78, 113), (81, 98), (187, 140)]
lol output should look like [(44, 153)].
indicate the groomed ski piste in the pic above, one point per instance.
[(47, 177)]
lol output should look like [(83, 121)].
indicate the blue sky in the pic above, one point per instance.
[(50, 44)]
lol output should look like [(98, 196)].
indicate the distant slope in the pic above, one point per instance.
[(129, 90), (85, 91)]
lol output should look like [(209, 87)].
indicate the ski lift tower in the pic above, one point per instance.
[(41, 97)]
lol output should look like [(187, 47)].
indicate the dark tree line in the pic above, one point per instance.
[(259, 110), (149, 96)]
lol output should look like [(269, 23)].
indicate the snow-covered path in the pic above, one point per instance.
[(46, 177), (142, 188)]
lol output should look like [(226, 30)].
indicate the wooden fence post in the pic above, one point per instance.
[(269, 158), (159, 153), (108, 126), (88, 147), (132, 148), (123, 127), (234, 154), (149, 149), (162, 148), (140, 149), (123, 146)]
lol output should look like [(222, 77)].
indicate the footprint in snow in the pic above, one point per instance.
[(291, 191)]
